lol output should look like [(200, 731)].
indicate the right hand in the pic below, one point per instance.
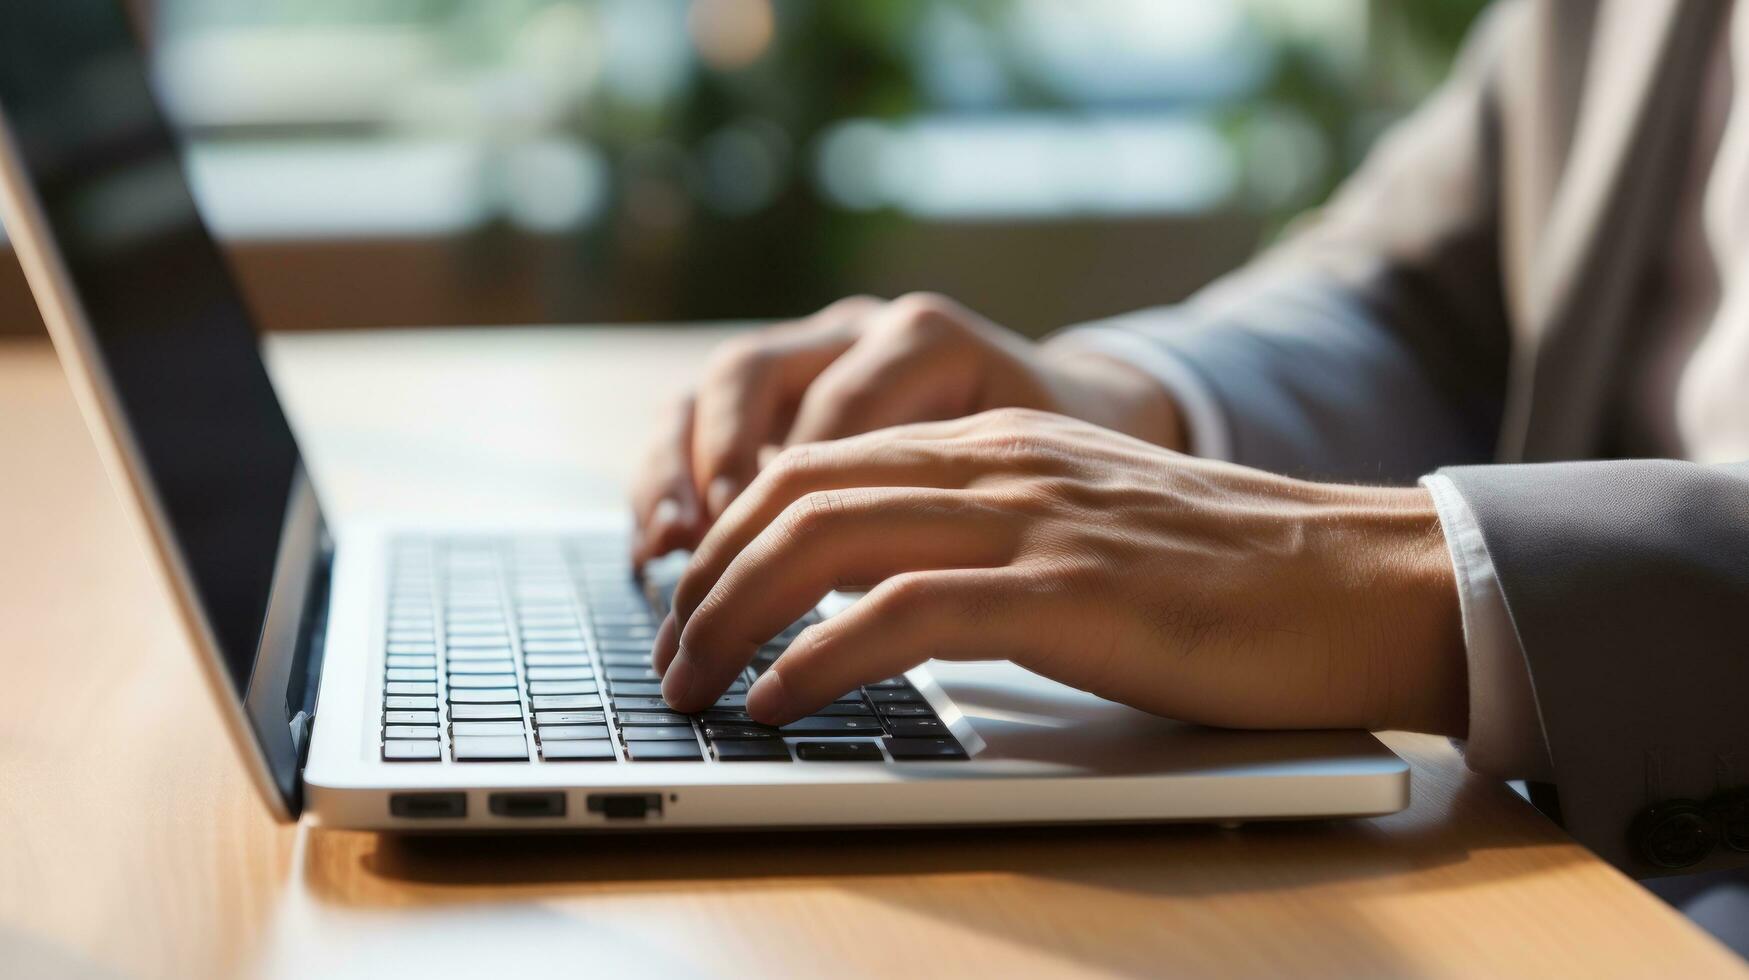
[(858, 365)]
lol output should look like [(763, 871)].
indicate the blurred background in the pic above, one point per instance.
[(415, 162)]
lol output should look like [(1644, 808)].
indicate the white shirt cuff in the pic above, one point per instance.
[(1203, 419), (1506, 735)]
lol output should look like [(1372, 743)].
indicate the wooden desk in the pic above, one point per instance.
[(130, 842)]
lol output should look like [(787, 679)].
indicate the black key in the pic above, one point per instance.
[(916, 727), (475, 681), (485, 712), (633, 674), (857, 710), (652, 718), (642, 751), (565, 702), (560, 674), (497, 665), (409, 731), (410, 687), (572, 635), (658, 733), (890, 684), (559, 733), (400, 702), (829, 725), (623, 617), (925, 748), (461, 728), (731, 701), (490, 748), (409, 717), (561, 687), (728, 714), (906, 711), (534, 660), (894, 697), (601, 751), (544, 718), (497, 642), (488, 615), (546, 622), (757, 750), (728, 731), (461, 656), (490, 695), (641, 689), (639, 704), (553, 646), (627, 633), (839, 751), (483, 628), (399, 751), (849, 697)]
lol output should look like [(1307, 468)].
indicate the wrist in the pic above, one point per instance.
[(1098, 388), (1405, 606)]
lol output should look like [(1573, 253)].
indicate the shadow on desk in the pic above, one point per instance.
[(1099, 897)]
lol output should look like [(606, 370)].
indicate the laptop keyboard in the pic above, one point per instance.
[(538, 651)]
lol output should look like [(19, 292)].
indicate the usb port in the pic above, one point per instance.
[(419, 806), (527, 804), (626, 806)]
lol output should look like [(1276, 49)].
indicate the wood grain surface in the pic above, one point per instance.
[(131, 844)]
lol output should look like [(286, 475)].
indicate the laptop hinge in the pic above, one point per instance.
[(306, 670)]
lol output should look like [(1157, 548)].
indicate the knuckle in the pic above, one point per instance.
[(746, 355), (853, 305), (907, 595), (1016, 418), (812, 512), (792, 466), (924, 316)]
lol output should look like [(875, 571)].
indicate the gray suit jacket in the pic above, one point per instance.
[(1463, 304)]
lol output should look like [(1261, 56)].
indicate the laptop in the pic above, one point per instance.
[(495, 675)]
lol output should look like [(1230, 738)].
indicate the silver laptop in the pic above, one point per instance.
[(497, 676)]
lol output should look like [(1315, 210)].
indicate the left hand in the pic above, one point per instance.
[(1197, 590)]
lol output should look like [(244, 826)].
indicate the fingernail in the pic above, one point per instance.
[(666, 512), (720, 494), (766, 699), (677, 682)]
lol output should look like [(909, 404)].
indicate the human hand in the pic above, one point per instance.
[(855, 366), (1197, 590)]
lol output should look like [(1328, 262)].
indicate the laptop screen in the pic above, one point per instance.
[(171, 330)]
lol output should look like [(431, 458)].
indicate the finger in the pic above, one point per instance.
[(665, 645), (827, 540), (876, 384), (665, 506), (958, 614), (948, 454), (888, 458), (748, 384)]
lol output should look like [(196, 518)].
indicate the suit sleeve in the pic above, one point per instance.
[(1390, 295), (1627, 583)]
